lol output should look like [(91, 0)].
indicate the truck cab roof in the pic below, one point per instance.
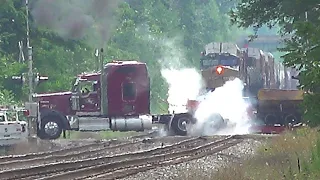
[(114, 63), (124, 62)]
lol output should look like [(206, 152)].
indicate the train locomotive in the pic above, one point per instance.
[(265, 80), (221, 62)]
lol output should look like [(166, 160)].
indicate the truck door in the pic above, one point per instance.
[(129, 96), (89, 100)]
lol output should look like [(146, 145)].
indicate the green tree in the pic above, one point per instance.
[(142, 32), (52, 55)]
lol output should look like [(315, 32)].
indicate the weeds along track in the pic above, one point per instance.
[(8, 162), (124, 163)]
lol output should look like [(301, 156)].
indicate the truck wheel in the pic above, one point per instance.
[(51, 127), (179, 124), (168, 131), (40, 134), (213, 124), (292, 119)]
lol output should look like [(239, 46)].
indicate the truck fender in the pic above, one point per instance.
[(65, 123)]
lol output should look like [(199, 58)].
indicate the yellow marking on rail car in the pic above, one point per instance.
[(280, 95)]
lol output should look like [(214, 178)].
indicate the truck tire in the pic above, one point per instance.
[(213, 124), (179, 124), (40, 134), (292, 118), (51, 127)]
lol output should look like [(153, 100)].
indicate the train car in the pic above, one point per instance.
[(266, 71), (277, 102), (271, 71), (270, 82), (255, 63), (278, 109), (277, 74)]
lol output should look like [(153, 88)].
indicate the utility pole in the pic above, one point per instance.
[(30, 73), (103, 86), (32, 126)]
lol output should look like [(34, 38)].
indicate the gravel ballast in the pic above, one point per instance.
[(201, 167)]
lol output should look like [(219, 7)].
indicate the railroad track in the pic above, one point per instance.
[(6, 161), (72, 156), (88, 150), (92, 167), (62, 166), (127, 167)]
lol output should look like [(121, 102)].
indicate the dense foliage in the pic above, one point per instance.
[(301, 20), (158, 32)]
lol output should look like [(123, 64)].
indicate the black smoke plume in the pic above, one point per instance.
[(91, 20)]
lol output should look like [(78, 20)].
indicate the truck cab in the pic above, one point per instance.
[(127, 95), (127, 89)]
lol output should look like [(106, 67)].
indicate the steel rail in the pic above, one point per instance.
[(75, 164)]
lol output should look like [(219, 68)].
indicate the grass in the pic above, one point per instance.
[(291, 156), (294, 155)]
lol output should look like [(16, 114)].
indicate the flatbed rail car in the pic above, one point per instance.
[(278, 110)]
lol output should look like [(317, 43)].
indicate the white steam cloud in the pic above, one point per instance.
[(187, 83), (184, 84), (228, 102)]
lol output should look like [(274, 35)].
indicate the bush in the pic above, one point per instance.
[(7, 98), (293, 155)]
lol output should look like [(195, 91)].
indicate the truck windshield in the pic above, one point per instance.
[(88, 87)]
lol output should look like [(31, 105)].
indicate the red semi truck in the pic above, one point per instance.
[(127, 104)]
